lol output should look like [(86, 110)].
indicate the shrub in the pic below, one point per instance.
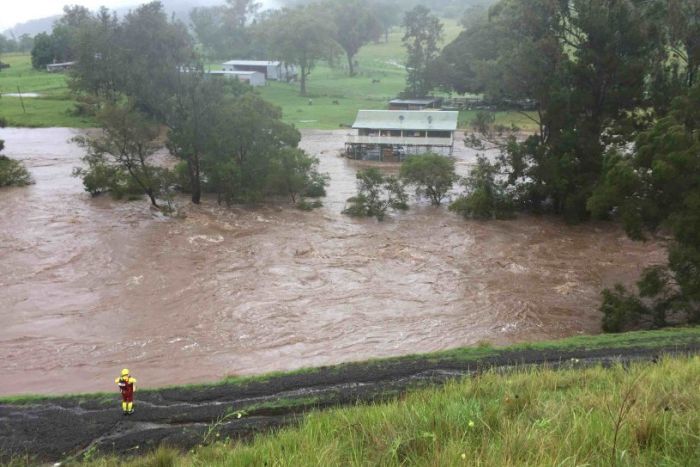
[(13, 173), (432, 174), (485, 197), (376, 194)]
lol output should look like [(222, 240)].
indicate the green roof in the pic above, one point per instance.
[(407, 120)]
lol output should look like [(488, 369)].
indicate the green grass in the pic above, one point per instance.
[(52, 109), (669, 337), (532, 417)]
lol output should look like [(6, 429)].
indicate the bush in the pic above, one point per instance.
[(13, 173), (620, 309), (486, 197), (432, 174), (304, 205), (376, 194)]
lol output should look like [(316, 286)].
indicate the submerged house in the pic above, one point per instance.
[(392, 135), (272, 70)]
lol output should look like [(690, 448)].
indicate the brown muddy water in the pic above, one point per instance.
[(88, 286)]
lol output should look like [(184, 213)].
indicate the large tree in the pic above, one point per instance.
[(301, 36), (584, 64), (355, 26), (658, 187), (422, 38), (224, 31), (118, 159)]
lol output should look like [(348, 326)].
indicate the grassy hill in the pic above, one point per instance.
[(644, 414)]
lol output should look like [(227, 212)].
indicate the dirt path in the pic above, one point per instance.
[(56, 429)]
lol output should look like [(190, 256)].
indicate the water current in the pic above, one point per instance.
[(91, 285)]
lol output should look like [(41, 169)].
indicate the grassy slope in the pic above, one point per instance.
[(642, 339), (381, 62), (534, 417), (52, 109)]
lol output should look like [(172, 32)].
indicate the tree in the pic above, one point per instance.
[(422, 37), (388, 13), (355, 26), (254, 144), (301, 36), (294, 173), (659, 187), (584, 64), (486, 196), (223, 30), (99, 70), (119, 159), (191, 116), (12, 172), (432, 174), (376, 194), (42, 52)]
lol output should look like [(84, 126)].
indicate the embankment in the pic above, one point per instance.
[(53, 429)]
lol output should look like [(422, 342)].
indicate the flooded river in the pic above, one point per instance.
[(88, 286)]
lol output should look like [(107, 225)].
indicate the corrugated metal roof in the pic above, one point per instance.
[(237, 73), (252, 63), (407, 120), (413, 101)]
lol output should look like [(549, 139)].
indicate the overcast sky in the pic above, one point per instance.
[(19, 11)]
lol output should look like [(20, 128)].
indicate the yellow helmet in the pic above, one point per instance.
[(125, 372)]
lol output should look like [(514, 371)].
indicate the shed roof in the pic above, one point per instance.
[(426, 101), (237, 73), (252, 63), (407, 120)]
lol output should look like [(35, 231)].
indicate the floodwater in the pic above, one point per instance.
[(88, 286)]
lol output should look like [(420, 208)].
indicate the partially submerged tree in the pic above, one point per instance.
[(375, 195), (12, 172), (119, 159), (294, 173), (432, 174), (658, 188), (486, 196)]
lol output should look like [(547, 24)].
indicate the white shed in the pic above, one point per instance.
[(272, 70), (254, 78)]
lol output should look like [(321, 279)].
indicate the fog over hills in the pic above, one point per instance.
[(181, 9)]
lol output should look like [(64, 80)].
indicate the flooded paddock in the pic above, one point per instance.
[(90, 285)]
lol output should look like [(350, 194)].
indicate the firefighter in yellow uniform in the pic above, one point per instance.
[(127, 386)]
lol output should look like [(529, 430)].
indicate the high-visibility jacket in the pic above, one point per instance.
[(127, 386)]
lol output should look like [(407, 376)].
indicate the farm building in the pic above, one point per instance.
[(392, 135), (58, 67), (415, 104), (274, 71), (254, 78)]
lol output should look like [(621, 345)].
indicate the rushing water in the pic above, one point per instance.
[(88, 286)]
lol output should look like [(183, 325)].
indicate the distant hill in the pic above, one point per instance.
[(181, 9)]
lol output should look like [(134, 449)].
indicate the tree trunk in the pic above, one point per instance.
[(193, 166), (303, 81), (149, 192), (350, 64)]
